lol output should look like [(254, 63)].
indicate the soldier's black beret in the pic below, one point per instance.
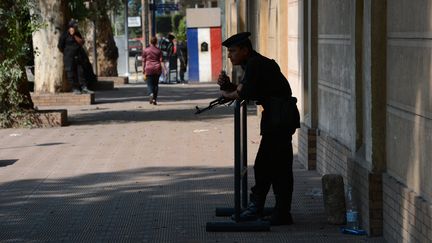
[(236, 39)]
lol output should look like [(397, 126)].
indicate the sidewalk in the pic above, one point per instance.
[(127, 171)]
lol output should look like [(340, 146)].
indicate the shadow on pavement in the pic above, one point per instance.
[(126, 116), (167, 93), (7, 162), (154, 204)]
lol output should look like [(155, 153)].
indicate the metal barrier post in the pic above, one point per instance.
[(244, 163), (240, 181)]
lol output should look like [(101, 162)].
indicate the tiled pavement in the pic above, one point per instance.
[(126, 171)]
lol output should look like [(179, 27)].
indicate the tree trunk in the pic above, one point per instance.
[(49, 60), (107, 51)]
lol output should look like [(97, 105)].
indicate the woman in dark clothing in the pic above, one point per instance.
[(70, 44), (152, 68)]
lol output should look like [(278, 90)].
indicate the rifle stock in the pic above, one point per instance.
[(217, 102)]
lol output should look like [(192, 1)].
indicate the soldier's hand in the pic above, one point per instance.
[(223, 79)]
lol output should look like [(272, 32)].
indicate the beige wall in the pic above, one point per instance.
[(336, 70), (365, 69), (409, 88), (280, 38), (276, 27)]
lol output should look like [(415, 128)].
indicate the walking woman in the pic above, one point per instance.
[(152, 68)]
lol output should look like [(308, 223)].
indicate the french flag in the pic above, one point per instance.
[(204, 64)]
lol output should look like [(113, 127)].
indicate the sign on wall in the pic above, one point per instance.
[(134, 21)]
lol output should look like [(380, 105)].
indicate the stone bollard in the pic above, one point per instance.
[(334, 198)]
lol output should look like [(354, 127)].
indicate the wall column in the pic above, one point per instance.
[(309, 125)]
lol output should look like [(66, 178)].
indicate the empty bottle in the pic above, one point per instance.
[(352, 215)]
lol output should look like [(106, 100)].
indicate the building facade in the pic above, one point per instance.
[(361, 70)]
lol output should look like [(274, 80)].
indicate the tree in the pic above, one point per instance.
[(16, 28), (181, 30), (107, 51), (49, 61)]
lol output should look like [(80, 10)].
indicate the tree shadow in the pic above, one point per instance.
[(167, 93), (7, 162), (141, 115), (175, 103), (152, 204), (39, 145)]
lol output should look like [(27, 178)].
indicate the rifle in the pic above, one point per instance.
[(217, 102)]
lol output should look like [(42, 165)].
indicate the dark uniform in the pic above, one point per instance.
[(182, 54), (73, 59), (264, 82)]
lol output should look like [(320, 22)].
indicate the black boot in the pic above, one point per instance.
[(254, 210), (281, 214)]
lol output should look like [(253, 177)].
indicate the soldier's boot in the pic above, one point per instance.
[(254, 210), (281, 214)]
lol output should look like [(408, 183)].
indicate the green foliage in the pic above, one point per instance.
[(175, 19), (16, 28), (181, 30), (134, 8), (86, 9)]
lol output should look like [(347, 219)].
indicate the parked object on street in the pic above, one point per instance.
[(135, 46)]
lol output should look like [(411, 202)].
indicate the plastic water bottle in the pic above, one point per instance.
[(352, 215)]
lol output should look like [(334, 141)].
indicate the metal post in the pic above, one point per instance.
[(154, 18), (237, 160), (244, 154), (240, 155), (95, 67), (127, 36)]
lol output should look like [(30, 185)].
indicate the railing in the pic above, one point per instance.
[(240, 180)]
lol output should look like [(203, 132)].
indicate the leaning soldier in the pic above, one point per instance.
[(263, 82)]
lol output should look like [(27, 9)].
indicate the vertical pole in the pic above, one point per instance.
[(127, 36), (95, 67), (244, 155), (313, 61), (144, 22), (237, 161), (154, 18)]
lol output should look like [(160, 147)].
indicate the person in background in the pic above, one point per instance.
[(168, 48), (71, 45), (152, 68), (183, 57)]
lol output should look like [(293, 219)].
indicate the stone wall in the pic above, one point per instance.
[(408, 182), (407, 216), (306, 152), (335, 158)]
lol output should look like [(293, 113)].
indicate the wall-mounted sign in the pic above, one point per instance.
[(204, 46), (134, 21)]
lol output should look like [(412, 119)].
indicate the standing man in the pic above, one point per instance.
[(183, 56), (166, 45), (264, 83), (71, 45)]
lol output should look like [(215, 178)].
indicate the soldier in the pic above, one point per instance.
[(74, 57), (264, 83)]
